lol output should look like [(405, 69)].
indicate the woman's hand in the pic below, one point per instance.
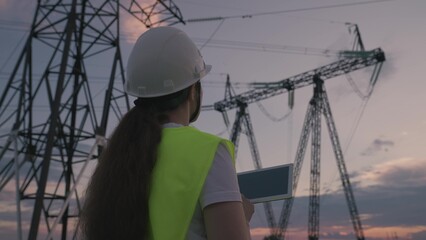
[(226, 221), (248, 208)]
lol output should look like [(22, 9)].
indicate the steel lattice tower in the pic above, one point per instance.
[(319, 105), (71, 57)]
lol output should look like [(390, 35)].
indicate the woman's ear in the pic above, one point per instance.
[(193, 93)]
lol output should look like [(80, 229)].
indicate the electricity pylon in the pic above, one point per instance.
[(350, 61), (50, 102)]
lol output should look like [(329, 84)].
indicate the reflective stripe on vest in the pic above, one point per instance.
[(185, 156)]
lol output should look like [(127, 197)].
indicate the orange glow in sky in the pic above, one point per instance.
[(133, 27)]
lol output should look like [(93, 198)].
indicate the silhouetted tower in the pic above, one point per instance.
[(318, 105), (65, 88)]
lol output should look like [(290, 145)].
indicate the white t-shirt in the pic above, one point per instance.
[(221, 185)]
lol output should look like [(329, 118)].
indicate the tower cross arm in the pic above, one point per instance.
[(349, 62), (159, 12)]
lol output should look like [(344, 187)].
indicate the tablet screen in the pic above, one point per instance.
[(267, 184)]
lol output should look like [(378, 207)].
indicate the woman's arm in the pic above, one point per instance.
[(226, 221)]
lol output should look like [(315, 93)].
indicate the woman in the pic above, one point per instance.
[(158, 178)]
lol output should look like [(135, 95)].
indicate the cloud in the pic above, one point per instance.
[(4, 4), (133, 27), (399, 172), (17, 10), (389, 66), (383, 210), (378, 145), (397, 231), (259, 233), (389, 197), (419, 235), (8, 210)]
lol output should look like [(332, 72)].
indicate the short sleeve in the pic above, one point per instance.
[(221, 184)]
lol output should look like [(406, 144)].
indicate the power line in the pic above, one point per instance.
[(14, 25), (354, 129), (251, 15), (264, 47), (224, 44), (14, 29), (270, 116), (257, 47), (11, 54), (212, 35), (9, 22), (98, 79), (212, 5), (243, 46), (356, 89)]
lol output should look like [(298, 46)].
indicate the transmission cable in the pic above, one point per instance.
[(356, 89), (212, 35), (282, 11), (11, 54), (238, 45), (355, 126), (263, 47), (270, 116)]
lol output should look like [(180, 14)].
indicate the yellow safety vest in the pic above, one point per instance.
[(185, 156)]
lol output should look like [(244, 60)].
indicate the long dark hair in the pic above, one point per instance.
[(116, 200)]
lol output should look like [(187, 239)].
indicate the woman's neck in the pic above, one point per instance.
[(180, 115)]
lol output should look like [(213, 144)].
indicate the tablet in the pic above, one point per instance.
[(267, 184)]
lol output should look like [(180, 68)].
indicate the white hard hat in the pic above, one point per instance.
[(164, 60)]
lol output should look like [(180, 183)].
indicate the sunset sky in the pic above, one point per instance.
[(384, 149)]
